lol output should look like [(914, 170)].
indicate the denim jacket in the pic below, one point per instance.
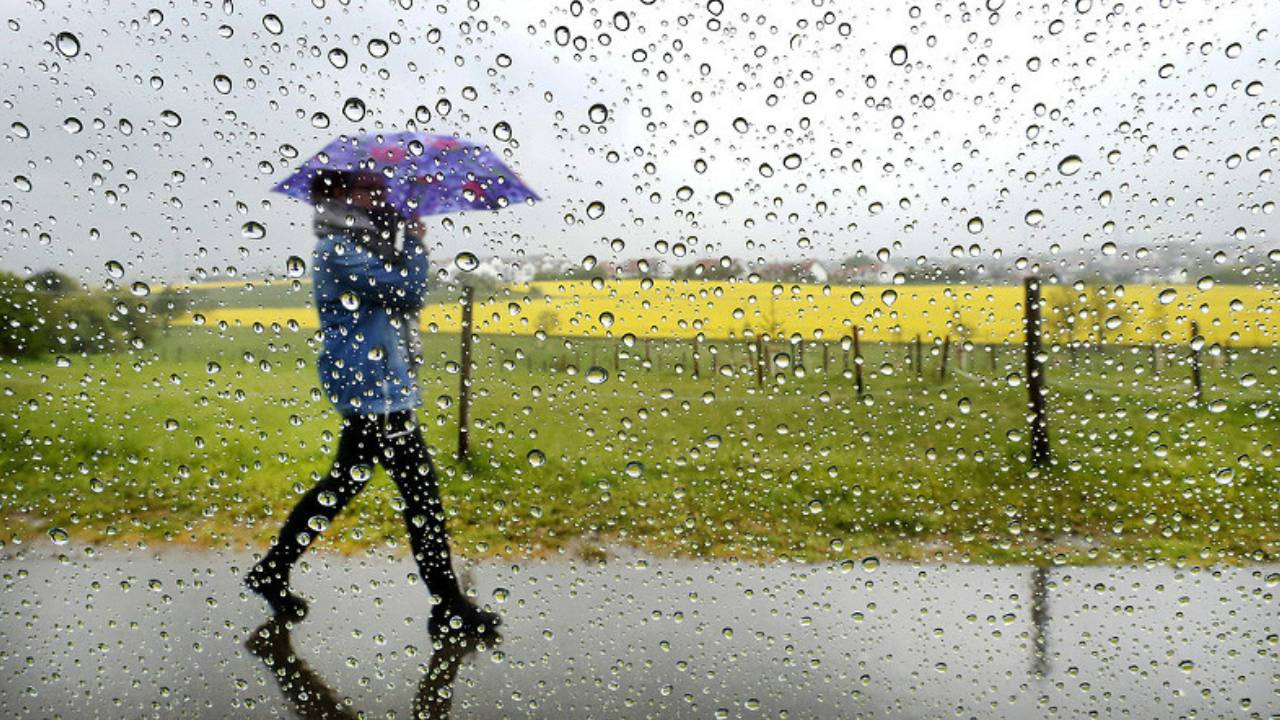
[(366, 305)]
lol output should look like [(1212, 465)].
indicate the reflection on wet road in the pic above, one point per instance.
[(172, 635)]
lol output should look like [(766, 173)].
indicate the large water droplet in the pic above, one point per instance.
[(898, 55), (273, 23), (353, 109), (598, 113), (466, 261), (253, 230), (1070, 165), (67, 43)]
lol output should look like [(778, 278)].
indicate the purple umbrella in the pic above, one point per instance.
[(425, 174)]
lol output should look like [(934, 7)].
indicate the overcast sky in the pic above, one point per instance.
[(758, 130)]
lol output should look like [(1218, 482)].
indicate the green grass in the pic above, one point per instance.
[(154, 446)]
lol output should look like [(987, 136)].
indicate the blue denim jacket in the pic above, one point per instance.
[(364, 303)]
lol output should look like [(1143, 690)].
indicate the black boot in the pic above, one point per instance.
[(273, 586), (458, 617)]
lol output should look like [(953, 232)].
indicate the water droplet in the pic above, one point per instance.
[(792, 161), (598, 113), (870, 563), (353, 109), (1253, 89), (253, 230), (273, 23), (140, 289), (378, 48), (898, 55), (1070, 165), (1167, 296), (724, 199), (115, 269), (1205, 283), (319, 120), (975, 225), (170, 118), (596, 375), (67, 43), (502, 131), (741, 125), (22, 182), (1034, 217), (350, 301), (337, 58), (72, 125), (295, 266), (222, 84), (889, 296), (606, 319), (59, 536), (466, 261), (634, 469), (501, 594), (595, 210), (536, 458), (1166, 70), (20, 130)]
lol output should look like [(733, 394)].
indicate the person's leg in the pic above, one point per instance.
[(358, 447), (408, 461)]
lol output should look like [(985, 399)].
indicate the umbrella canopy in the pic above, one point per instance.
[(425, 174)]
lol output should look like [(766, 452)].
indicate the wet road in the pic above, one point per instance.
[(148, 634)]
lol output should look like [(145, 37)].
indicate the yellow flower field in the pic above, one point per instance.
[(1236, 315)]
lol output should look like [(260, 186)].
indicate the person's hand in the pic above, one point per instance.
[(414, 230)]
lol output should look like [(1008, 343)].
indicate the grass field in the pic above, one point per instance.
[(208, 434)]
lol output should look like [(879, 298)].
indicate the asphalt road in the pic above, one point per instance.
[(171, 634)]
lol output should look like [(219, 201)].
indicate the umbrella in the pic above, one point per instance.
[(425, 174)]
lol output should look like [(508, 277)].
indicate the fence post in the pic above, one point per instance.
[(697, 360), (464, 379), (994, 349), (857, 360), (1035, 376), (760, 361), (1196, 343), (826, 356), (946, 352), (919, 358)]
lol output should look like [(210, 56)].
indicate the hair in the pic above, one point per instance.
[(329, 184)]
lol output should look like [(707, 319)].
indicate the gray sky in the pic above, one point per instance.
[(1154, 98)]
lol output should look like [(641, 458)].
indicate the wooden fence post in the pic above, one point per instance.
[(826, 356), (919, 358), (464, 379), (1196, 380), (946, 352), (697, 360), (760, 361), (1035, 376), (857, 360)]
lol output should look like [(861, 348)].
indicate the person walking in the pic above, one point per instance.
[(368, 293)]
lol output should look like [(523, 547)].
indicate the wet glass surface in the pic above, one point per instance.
[(135, 635)]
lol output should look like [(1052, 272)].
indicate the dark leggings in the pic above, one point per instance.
[(396, 442)]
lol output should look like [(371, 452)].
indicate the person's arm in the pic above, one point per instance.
[(399, 285)]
